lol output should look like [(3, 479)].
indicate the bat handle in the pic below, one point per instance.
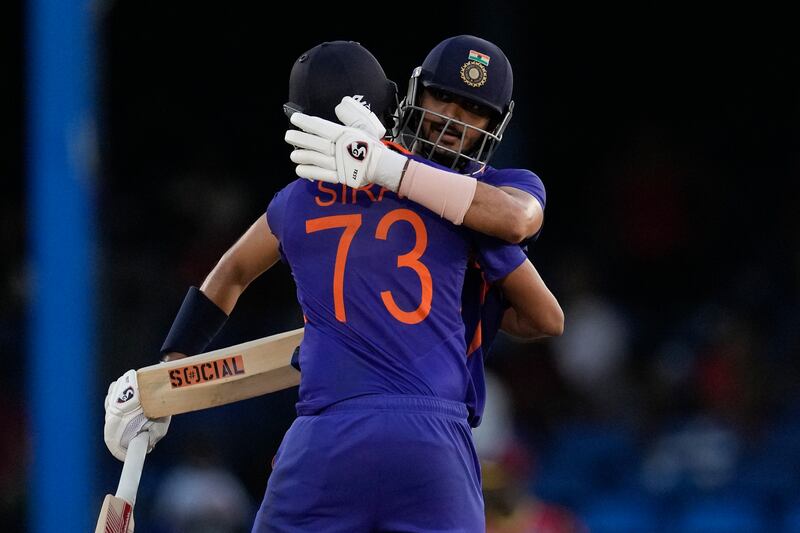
[(132, 468)]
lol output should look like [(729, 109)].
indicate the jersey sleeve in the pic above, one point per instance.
[(521, 179), (497, 258), (276, 211)]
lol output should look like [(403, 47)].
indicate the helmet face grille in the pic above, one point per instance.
[(472, 69), (409, 132), (412, 137)]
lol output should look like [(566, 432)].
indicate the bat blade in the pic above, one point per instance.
[(116, 514), (220, 377)]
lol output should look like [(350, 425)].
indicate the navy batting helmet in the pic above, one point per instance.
[(325, 74), (473, 69)]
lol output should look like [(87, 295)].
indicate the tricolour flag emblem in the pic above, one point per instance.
[(479, 57)]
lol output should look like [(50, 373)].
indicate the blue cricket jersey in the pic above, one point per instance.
[(379, 280), (483, 305)]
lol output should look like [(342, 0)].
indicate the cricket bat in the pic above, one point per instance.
[(116, 514), (220, 377)]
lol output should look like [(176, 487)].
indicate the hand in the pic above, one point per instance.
[(354, 114), (125, 417), (335, 153)]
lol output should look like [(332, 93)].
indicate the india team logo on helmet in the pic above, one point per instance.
[(468, 68), (474, 72)]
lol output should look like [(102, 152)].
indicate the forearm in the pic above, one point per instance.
[(535, 310), (225, 284), (517, 326), (497, 213)]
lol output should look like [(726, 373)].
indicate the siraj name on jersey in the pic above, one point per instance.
[(330, 194)]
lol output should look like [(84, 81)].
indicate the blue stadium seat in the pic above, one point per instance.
[(721, 515), (783, 441), (769, 479), (607, 454), (559, 481), (621, 513)]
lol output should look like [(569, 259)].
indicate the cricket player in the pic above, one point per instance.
[(457, 107), (382, 441), (462, 94), (379, 279)]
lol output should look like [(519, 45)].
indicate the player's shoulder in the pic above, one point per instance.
[(285, 201), (300, 184), (491, 174), (518, 178), (283, 195)]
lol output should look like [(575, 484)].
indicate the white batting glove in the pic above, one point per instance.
[(125, 417), (335, 153), (354, 114)]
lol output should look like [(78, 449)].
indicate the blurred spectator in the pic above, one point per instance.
[(505, 469), (202, 496), (593, 353), (700, 455)]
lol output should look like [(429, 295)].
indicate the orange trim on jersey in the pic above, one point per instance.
[(477, 338), (484, 288), (396, 147)]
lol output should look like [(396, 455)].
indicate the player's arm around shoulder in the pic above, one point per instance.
[(505, 212), (535, 311)]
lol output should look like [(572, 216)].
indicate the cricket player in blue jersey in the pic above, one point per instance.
[(463, 91), (381, 442), (457, 107)]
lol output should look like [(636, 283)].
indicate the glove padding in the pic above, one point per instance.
[(354, 114), (334, 153), (125, 417)]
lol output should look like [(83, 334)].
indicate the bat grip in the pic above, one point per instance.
[(132, 468)]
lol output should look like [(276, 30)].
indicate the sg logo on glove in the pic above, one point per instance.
[(358, 150), (126, 395)]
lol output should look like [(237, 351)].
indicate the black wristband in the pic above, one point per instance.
[(197, 323), (295, 362)]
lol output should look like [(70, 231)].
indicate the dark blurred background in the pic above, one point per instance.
[(667, 139)]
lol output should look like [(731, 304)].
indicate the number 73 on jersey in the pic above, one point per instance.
[(352, 225)]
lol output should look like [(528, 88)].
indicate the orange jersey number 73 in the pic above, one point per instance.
[(351, 225)]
